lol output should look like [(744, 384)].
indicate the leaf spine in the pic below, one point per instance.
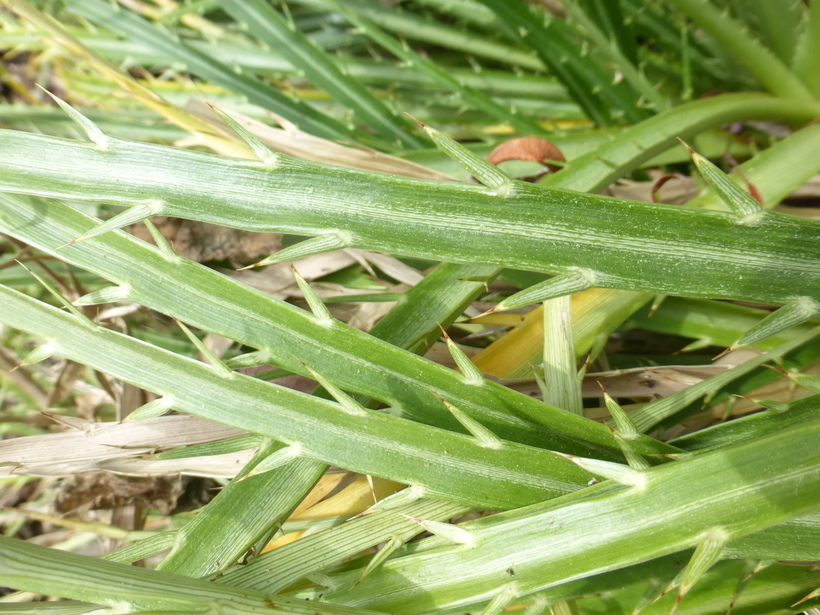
[(92, 131)]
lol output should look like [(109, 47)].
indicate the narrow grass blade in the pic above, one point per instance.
[(242, 513), (798, 311), (740, 489), (130, 588), (272, 29), (414, 27), (597, 169), (684, 252), (438, 75), (807, 52), (447, 465), (748, 51), (587, 82), (280, 568), (283, 331), (207, 67), (605, 42), (653, 413)]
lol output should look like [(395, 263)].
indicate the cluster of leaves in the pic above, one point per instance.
[(323, 306)]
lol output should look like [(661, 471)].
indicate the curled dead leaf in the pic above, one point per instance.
[(533, 149)]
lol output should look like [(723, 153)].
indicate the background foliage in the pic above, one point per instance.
[(429, 306)]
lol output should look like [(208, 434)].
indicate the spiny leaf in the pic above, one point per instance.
[(684, 252), (386, 551), (41, 353), (738, 201), (485, 172), (275, 460), (315, 245), (133, 214), (320, 311), (107, 294), (625, 433), (272, 29), (651, 414), (250, 359), (561, 284), (485, 437), (706, 554), (617, 472), (587, 82), (350, 405), (501, 601), (219, 366), (472, 375), (92, 131), (162, 243), (793, 313), (470, 96), (448, 531), (158, 407), (58, 295), (259, 149), (139, 30)]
